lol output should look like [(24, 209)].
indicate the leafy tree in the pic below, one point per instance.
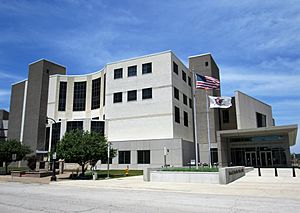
[(83, 147), (10, 147)]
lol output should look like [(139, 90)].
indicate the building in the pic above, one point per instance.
[(3, 124), (143, 105)]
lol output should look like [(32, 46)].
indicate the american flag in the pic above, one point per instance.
[(206, 82)]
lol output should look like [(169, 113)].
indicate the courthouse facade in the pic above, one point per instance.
[(144, 106)]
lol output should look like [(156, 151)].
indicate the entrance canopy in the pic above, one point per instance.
[(266, 146)]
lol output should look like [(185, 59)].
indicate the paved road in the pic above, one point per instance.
[(18, 197)]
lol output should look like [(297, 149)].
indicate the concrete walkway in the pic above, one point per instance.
[(284, 186)]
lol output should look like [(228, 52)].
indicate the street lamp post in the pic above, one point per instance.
[(53, 177), (108, 156)]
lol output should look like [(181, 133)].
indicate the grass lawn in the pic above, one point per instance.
[(102, 174), (192, 169)]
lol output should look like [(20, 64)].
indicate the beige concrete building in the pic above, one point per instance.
[(142, 105)]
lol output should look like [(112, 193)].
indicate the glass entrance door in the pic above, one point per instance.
[(266, 159), (250, 158)]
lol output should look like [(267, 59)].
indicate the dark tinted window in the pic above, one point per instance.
[(117, 97), (261, 120), (147, 93), (206, 63), (96, 85), (132, 71), (131, 95), (104, 89), (62, 96), (72, 125), (183, 76), (184, 99), (147, 68), (186, 118), (190, 103), (176, 93), (225, 114), (55, 135), (79, 96), (124, 157), (214, 155), (97, 126), (177, 114), (118, 73), (190, 81), (143, 156), (175, 68)]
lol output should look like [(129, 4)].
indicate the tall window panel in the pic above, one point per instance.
[(96, 86), (175, 68), (104, 89), (177, 114), (185, 118), (97, 126), (72, 125), (55, 135), (79, 96), (183, 76), (62, 96), (143, 156)]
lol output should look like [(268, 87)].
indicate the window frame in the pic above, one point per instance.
[(124, 159), (130, 71), (128, 95), (177, 114), (115, 100), (118, 73), (145, 154), (145, 68), (144, 97)]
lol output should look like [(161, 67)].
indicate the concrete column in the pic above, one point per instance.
[(37, 166), (61, 166), (47, 165)]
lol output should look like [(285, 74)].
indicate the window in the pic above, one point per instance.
[(132, 71), (177, 115), (186, 118), (214, 155), (184, 99), (104, 90), (97, 126), (62, 96), (96, 85), (175, 68), (147, 93), (147, 68), (79, 96), (143, 156), (131, 95), (183, 76), (190, 81), (72, 125), (225, 114), (55, 135), (117, 97), (176, 93), (118, 73), (206, 63), (124, 157), (190, 103), (260, 120)]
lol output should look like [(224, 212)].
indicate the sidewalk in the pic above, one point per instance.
[(283, 186)]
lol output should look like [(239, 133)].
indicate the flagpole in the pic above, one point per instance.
[(208, 127), (195, 119)]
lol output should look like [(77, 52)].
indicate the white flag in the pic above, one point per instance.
[(219, 102)]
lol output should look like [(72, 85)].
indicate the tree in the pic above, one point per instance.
[(10, 147), (83, 147)]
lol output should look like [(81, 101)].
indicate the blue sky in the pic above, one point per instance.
[(255, 43)]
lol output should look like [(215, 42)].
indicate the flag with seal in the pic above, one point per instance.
[(219, 102)]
